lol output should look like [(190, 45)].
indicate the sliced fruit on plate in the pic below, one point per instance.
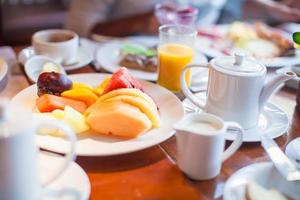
[(74, 119), (69, 116), (122, 79), (129, 92), (53, 83), (48, 103), (149, 110), (77, 85), (81, 94), (100, 89), (119, 119)]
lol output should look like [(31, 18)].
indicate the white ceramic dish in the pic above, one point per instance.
[(74, 180), (292, 150), (107, 56), (84, 57), (34, 66), (3, 74), (272, 121), (293, 83), (203, 45), (171, 110), (264, 174)]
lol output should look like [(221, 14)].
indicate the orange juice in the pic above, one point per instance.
[(172, 58)]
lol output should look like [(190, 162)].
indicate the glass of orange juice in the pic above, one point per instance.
[(175, 51)]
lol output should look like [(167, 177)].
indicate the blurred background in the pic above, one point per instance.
[(19, 19)]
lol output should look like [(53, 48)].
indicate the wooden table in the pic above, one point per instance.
[(149, 174)]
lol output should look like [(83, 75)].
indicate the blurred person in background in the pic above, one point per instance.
[(273, 11), (111, 17), (226, 11), (129, 17)]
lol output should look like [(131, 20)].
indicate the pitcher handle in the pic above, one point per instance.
[(186, 91), (45, 122), (237, 141)]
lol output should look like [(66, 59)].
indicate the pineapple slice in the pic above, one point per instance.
[(70, 116)]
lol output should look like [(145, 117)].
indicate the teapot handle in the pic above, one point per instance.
[(186, 91)]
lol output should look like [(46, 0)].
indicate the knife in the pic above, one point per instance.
[(282, 163)]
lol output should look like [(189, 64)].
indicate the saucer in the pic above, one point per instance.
[(72, 184), (34, 66), (292, 150), (272, 121), (84, 57), (265, 175)]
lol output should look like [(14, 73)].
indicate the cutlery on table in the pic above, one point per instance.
[(282, 163)]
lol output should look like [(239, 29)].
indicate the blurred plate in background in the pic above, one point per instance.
[(215, 36), (108, 55)]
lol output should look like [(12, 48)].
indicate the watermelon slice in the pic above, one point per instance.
[(122, 79)]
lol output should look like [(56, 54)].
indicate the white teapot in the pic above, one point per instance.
[(236, 88)]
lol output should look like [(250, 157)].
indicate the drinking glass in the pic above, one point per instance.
[(175, 51), (170, 13)]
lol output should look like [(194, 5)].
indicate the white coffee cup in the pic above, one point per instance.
[(18, 157), (58, 44), (200, 144)]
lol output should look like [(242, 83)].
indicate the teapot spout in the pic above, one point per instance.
[(272, 85)]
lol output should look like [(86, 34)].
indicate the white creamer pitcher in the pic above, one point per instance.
[(201, 148)]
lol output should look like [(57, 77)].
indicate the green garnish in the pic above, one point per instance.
[(137, 49), (296, 37)]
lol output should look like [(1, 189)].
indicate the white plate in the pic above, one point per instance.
[(264, 174), (272, 121), (73, 181), (203, 45), (170, 108), (108, 56), (84, 57), (292, 150)]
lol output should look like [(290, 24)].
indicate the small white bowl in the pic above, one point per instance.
[(34, 66), (3, 74)]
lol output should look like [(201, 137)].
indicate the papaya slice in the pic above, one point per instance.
[(81, 94), (49, 103)]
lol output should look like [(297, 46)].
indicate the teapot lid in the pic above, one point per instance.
[(239, 64)]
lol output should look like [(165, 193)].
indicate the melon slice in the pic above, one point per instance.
[(119, 119), (130, 92), (149, 110), (122, 79)]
